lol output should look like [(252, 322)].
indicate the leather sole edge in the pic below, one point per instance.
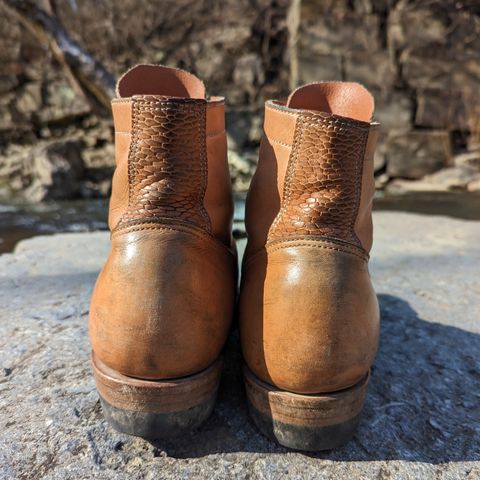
[(305, 422), (156, 409)]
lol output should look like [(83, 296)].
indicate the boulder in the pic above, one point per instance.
[(393, 109), (244, 128), (436, 43), (339, 45), (50, 170), (446, 180), (434, 67), (471, 158), (474, 186), (337, 31), (317, 67), (61, 102), (372, 68), (28, 100), (412, 28), (249, 75), (437, 108), (57, 170), (241, 168), (421, 60), (415, 154)]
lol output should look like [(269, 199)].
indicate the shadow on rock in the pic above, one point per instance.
[(422, 405)]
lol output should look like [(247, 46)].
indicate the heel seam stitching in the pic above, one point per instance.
[(297, 243)]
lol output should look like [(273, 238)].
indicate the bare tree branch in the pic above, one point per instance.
[(95, 81)]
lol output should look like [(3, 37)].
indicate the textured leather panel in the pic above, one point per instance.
[(167, 160), (323, 184)]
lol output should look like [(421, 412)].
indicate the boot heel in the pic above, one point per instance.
[(156, 408), (305, 422)]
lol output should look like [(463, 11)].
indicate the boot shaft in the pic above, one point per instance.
[(315, 172), (171, 153)]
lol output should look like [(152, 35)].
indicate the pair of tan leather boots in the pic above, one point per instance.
[(163, 304)]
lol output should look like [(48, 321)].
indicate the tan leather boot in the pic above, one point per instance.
[(309, 316), (163, 303)]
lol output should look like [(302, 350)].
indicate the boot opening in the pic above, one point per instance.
[(159, 80), (347, 99)]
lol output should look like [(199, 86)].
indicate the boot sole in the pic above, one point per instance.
[(156, 409), (305, 422)]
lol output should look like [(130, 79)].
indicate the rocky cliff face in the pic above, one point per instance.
[(420, 58)]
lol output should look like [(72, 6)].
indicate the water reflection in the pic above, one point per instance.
[(20, 221)]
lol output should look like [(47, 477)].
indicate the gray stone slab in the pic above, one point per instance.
[(422, 417)]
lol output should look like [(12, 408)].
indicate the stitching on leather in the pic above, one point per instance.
[(315, 243), (163, 222), (314, 238), (131, 149), (202, 125), (131, 154), (326, 121), (326, 247), (183, 228), (127, 229), (282, 112), (153, 100), (332, 122), (291, 167), (341, 121), (278, 142), (131, 228), (168, 105)]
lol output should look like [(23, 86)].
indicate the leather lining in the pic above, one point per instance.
[(160, 80), (347, 99)]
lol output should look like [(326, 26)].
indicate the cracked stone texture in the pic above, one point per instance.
[(421, 419)]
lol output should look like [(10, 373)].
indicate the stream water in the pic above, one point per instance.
[(20, 221)]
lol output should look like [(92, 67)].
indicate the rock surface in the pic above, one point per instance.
[(416, 154), (421, 60), (459, 178), (421, 420)]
